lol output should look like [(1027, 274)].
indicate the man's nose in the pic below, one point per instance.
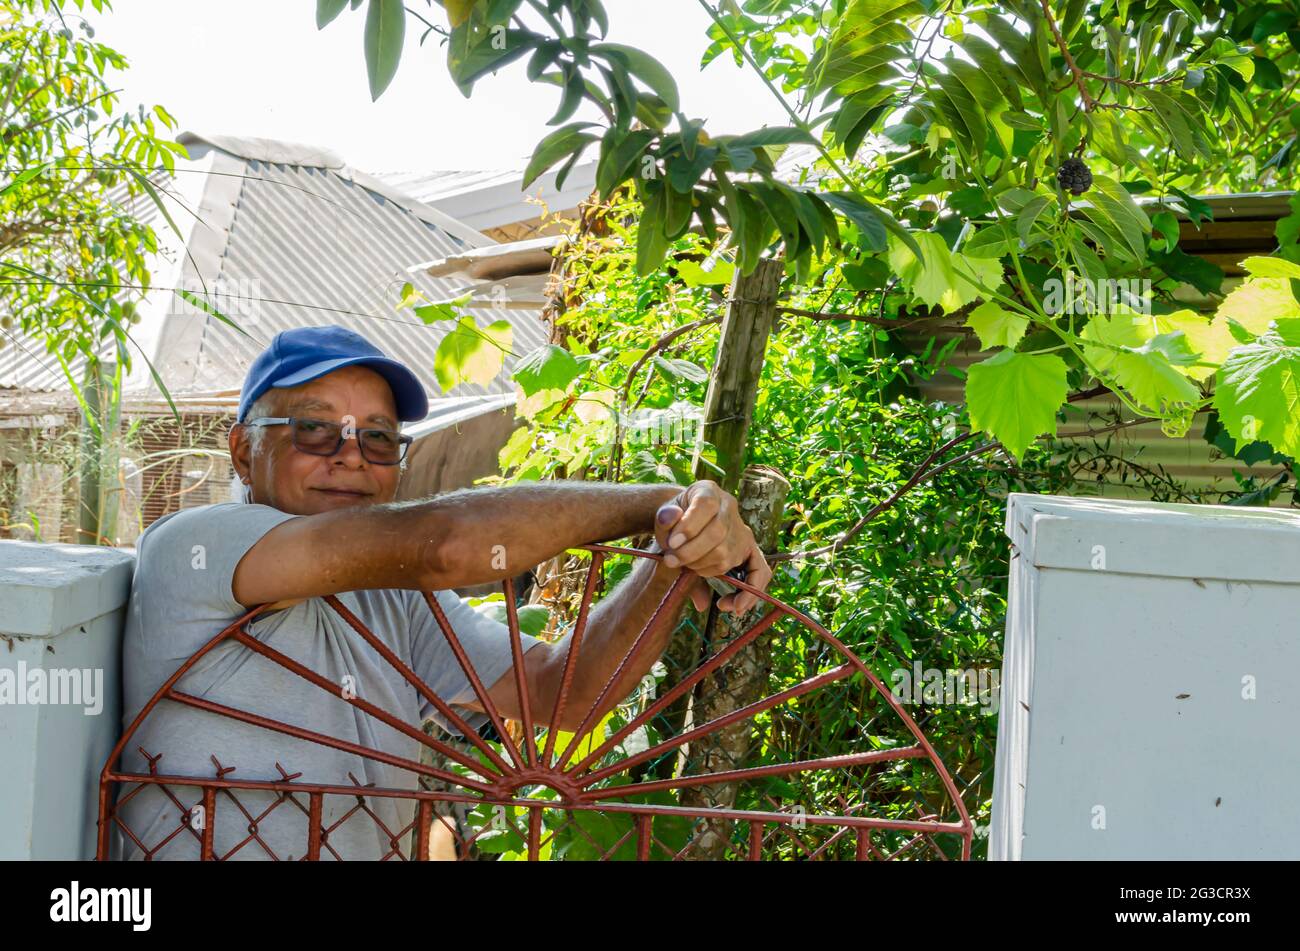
[(349, 453)]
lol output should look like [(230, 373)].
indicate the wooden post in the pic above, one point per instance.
[(92, 445), (741, 681), (733, 387), (728, 409)]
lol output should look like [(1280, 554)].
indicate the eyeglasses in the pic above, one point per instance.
[(320, 437)]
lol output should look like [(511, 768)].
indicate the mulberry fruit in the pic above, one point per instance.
[(1073, 176)]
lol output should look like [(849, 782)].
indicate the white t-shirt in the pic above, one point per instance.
[(181, 598)]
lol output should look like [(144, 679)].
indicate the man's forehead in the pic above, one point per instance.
[(319, 404), (316, 395)]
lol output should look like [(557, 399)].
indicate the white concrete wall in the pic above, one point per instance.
[(62, 610), (1148, 704)]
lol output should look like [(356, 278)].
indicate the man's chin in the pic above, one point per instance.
[(328, 501)]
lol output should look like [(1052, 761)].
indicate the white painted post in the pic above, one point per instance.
[(1148, 704), (62, 612)]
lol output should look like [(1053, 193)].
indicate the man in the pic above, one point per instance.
[(318, 447)]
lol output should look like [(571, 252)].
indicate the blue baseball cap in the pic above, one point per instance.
[(306, 353)]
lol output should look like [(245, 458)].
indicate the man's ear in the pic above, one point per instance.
[(241, 453)]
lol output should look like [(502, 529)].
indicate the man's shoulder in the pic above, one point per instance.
[(213, 513), (198, 512)]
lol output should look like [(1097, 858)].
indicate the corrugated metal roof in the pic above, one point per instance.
[(289, 245), (306, 246), (497, 197), (431, 186)]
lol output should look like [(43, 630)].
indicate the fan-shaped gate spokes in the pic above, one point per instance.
[(630, 782)]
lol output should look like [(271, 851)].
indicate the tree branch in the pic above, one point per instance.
[(1088, 101)]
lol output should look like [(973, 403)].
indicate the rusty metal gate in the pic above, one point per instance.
[(523, 795)]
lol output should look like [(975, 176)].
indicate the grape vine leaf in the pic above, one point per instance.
[(1146, 364), (1257, 302), (472, 354), (1257, 390), (942, 278), (1015, 396), (1272, 267), (547, 367), (1212, 342), (995, 326)]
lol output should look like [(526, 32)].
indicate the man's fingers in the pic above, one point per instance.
[(700, 596), (702, 508), (700, 545), (758, 574), (668, 513)]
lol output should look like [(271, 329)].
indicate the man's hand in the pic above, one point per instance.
[(701, 530)]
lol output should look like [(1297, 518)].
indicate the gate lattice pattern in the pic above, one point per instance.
[(621, 787)]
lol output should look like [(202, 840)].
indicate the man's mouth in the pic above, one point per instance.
[(345, 493)]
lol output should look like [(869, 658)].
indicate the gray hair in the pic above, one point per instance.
[(264, 405)]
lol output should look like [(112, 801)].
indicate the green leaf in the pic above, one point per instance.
[(207, 308), (1190, 269), (960, 114), (407, 295), (517, 448), (989, 242), (1030, 214), (1184, 128), (682, 369), (694, 275), (564, 141), (1015, 396), (1258, 301), (1197, 210), (532, 617), (1112, 208), (866, 275), (998, 72), (327, 10), (874, 224), (458, 11), (856, 117), (470, 354), (470, 54), (996, 327), (941, 278), (1257, 391), (651, 243), (859, 54), (620, 154), (1203, 338), (645, 68), (1108, 137), (753, 230), (1145, 363), (768, 135), (23, 178), (1225, 52), (385, 30), (447, 310), (1272, 267), (546, 368)]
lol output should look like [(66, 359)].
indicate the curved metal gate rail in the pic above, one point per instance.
[(583, 785)]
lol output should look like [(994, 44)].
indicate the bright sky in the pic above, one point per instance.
[(261, 68)]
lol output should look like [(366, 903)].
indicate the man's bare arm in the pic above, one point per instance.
[(711, 539), (612, 627), (467, 537)]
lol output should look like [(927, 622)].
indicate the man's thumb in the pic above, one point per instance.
[(668, 514)]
